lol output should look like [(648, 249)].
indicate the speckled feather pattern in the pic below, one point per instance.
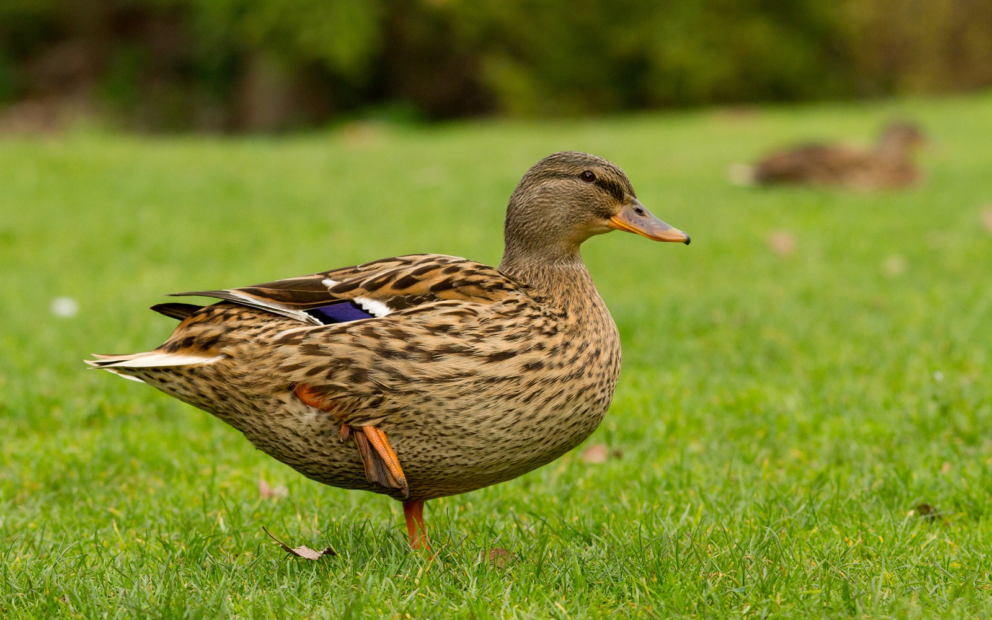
[(475, 377)]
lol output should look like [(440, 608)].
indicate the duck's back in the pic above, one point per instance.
[(825, 165), (815, 164)]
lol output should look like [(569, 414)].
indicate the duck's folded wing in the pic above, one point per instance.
[(372, 290), (373, 336), (443, 352)]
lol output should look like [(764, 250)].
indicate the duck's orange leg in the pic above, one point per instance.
[(385, 451), (415, 526), (381, 463)]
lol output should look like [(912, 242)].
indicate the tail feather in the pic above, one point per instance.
[(126, 376), (151, 359), (176, 310)]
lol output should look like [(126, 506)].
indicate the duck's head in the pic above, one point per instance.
[(567, 198)]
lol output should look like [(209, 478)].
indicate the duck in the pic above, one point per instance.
[(426, 375), (889, 165)]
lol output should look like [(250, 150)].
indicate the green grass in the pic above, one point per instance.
[(779, 417)]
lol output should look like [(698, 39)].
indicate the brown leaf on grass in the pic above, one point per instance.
[(599, 453), (266, 491), (946, 468), (894, 265), (303, 551), (499, 557), (362, 134), (926, 511), (782, 242), (738, 111), (596, 453), (987, 218)]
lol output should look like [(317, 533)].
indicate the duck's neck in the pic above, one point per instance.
[(541, 249), (562, 279)]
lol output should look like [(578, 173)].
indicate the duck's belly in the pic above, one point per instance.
[(488, 433)]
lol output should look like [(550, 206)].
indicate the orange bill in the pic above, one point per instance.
[(633, 217)]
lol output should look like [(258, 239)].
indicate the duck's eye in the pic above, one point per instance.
[(588, 176)]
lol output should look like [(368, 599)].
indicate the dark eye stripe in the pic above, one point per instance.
[(614, 188)]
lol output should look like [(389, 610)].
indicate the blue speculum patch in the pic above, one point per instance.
[(340, 312)]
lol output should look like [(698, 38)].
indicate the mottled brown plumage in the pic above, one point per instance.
[(457, 376), (888, 166)]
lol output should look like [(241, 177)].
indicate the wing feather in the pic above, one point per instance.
[(380, 288), (431, 321)]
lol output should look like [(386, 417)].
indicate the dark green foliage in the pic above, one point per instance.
[(270, 64), (341, 35)]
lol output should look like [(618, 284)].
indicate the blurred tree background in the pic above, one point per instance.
[(265, 65)]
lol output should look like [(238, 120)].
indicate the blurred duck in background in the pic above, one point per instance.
[(887, 166)]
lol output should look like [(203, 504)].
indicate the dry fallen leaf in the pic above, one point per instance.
[(782, 243), (894, 265), (945, 468), (987, 218), (499, 557), (362, 134), (596, 453), (738, 111), (65, 307), (599, 453), (266, 491), (303, 551), (926, 511)]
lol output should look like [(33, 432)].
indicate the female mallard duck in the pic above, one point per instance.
[(426, 375), (888, 166)]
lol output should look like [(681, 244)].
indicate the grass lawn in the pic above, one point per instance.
[(813, 368)]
